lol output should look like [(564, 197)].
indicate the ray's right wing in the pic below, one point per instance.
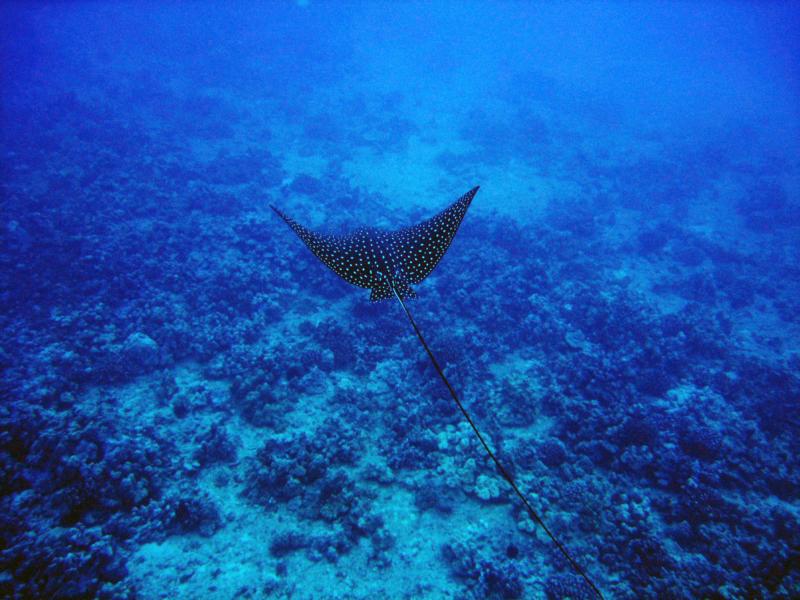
[(419, 248)]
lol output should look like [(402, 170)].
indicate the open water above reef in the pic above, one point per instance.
[(194, 407)]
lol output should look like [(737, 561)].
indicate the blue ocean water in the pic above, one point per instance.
[(193, 406)]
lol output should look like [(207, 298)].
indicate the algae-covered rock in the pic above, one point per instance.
[(140, 353), (487, 488)]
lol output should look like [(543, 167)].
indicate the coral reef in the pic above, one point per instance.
[(193, 407)]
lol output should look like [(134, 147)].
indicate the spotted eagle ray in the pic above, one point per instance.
[(387, 262)]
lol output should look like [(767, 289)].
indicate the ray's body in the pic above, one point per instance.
[(384, 261), (387, 263)]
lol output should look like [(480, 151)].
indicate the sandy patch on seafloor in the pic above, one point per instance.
[(235, 561)]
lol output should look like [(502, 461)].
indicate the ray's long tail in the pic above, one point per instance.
[(506, 475)]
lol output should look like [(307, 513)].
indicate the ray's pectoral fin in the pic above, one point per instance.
[(383, 291), (344, 255), (404, 290)]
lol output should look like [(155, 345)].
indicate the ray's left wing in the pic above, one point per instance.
[(347, 256)]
